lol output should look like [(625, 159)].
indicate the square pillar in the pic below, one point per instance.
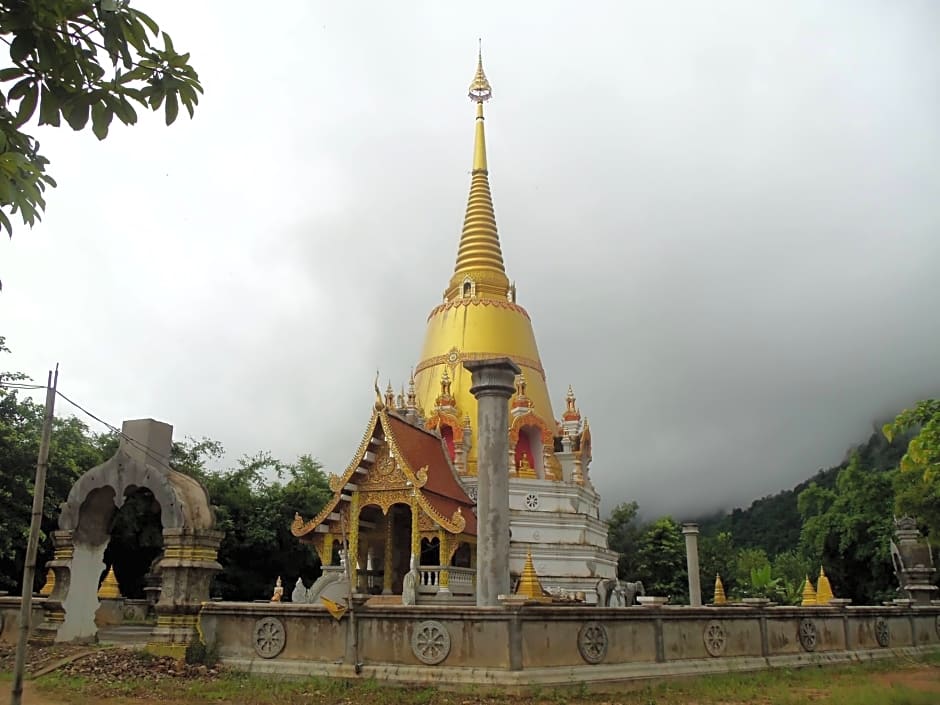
[(492, 384)]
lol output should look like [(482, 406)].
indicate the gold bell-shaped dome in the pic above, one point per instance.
[(530, 586), (719, 598), (823, 589), (809, 594), (109, 589)]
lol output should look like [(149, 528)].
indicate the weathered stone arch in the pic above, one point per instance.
[(190, 541)]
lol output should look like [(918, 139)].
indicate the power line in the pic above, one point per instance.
[(150, 452), (21, 385)]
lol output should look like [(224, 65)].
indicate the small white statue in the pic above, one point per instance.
[(409, 590), (300, 592)]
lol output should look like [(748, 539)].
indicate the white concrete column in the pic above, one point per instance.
[(492, 384), (690, 531)]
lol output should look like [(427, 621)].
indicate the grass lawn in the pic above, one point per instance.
[(898, 682)]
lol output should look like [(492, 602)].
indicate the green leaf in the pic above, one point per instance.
[(19, 90), (151, 25), (48, 108), (101, 117), (77, 114), (27, 106), (9, 74), (21, 47), (172, 108)]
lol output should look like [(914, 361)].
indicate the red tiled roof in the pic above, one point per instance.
[(443, 489)]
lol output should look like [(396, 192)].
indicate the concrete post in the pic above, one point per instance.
[(492, 384), (690, 531)]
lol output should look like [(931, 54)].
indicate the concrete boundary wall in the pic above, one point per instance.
[(550, 645)]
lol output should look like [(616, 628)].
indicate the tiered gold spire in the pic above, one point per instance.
[(529, 584), (49, 585), (479, 257), (809, 594), (719, 598), (823, 589), (109, 589)]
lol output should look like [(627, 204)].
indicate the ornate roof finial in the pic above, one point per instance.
[(379, 405), (445, 400), (479, 255), (412, 398), (480, 90), (389, 396), (571, 409)]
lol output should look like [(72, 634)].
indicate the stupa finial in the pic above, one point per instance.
[(480, 89)]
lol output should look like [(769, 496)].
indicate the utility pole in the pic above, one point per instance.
[(29, 568)]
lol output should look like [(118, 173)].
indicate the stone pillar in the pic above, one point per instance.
[(690, 531), (53, 612), (493, 383), (187, 568)]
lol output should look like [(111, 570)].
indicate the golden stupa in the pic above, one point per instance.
[(823, 589), (479, 317), (49, 585), (719, 598), (109, 589), (809, 594), (530, 586)]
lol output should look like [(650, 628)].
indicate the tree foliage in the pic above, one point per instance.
[(255, 503), (78, 60), (918, 484), (622, 533), (660, 560)]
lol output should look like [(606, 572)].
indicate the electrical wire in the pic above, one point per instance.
[(150, 452)]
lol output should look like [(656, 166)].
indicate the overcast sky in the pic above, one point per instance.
[(723, 218)]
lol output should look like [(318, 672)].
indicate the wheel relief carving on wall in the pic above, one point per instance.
[(269, 637), (882, 633), (807, 634), (715, 639), (593, 642), (430, 642)]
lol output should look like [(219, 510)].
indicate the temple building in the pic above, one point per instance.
[(555, 510)]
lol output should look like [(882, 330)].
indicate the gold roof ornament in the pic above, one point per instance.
[(49, 585), (719, 598), (479, 269), (379, 405), (480, 89), (571, 408), (809, 594), (823, 589), (109, 589), (389, 396), (530, 586)]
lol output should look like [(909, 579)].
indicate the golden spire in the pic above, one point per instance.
[(479, 270), (529, 584), (49, 584), (719, 598), (809, 594), (823, 589), (109, 589)]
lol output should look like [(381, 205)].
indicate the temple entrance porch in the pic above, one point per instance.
[(383, 545)]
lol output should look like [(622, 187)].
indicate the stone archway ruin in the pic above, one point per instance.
[(190, 541)]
